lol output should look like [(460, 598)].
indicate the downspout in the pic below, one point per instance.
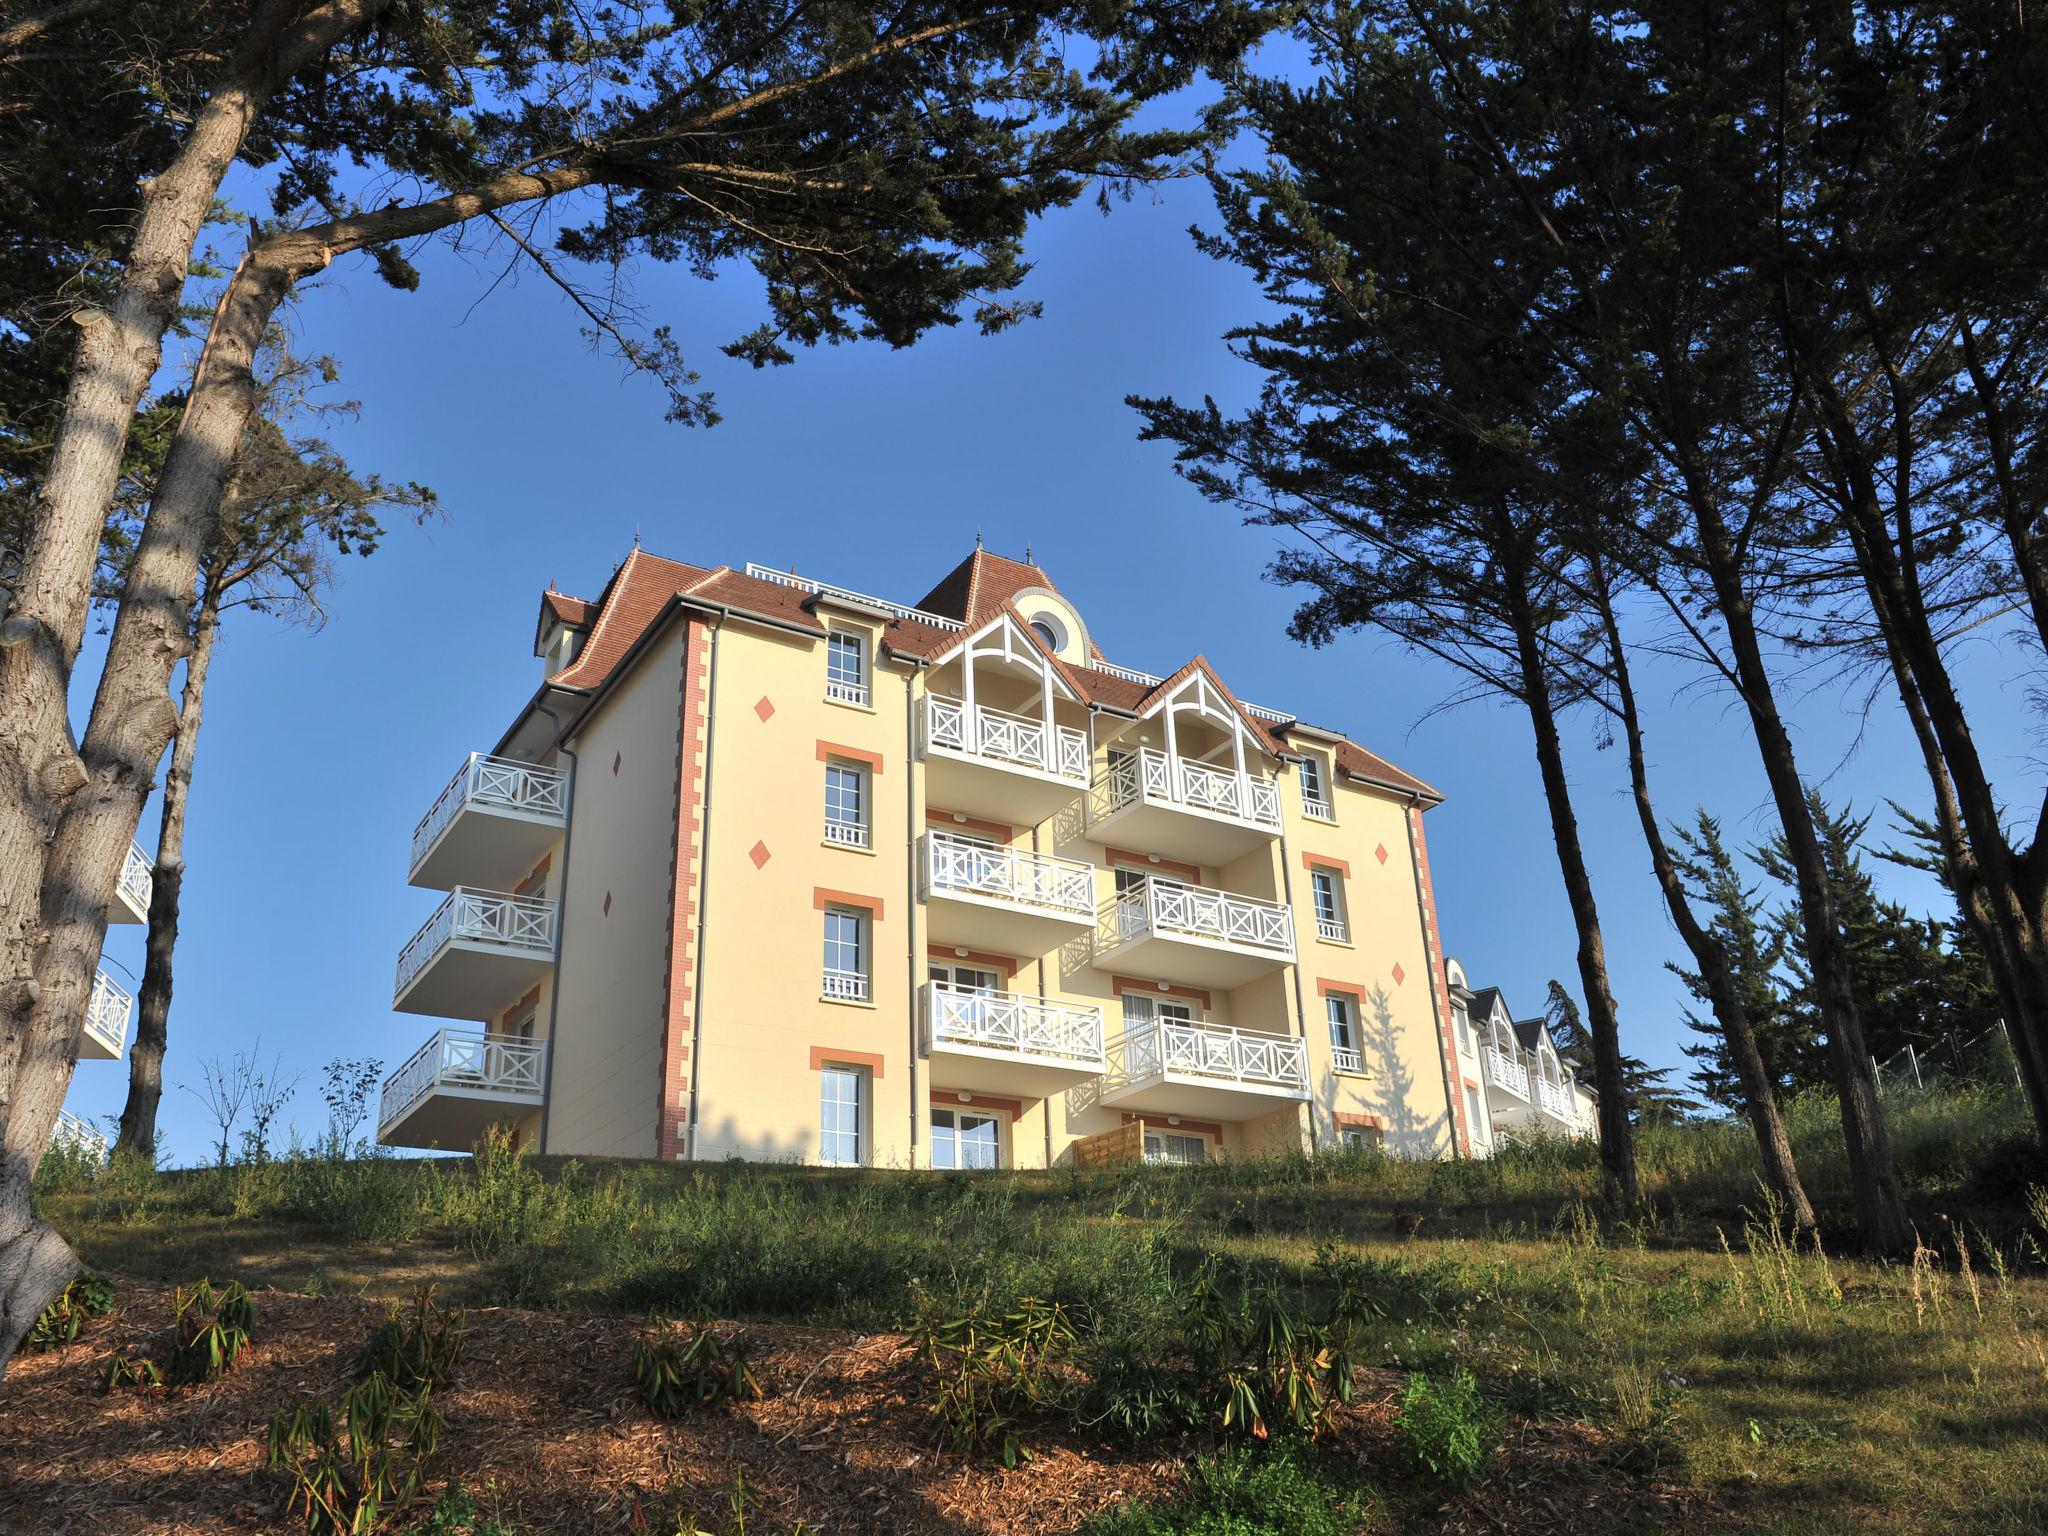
[(1438, 1024), (703, 886), (1300, 997), (547, 1073), (910, 907)]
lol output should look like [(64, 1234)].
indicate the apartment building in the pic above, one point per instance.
[(771, 869), (1509, 1073)]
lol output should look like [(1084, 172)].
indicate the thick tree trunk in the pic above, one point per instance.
[(153, 1002), (1880, 1202), (1759, 1099), (1617, 1134)]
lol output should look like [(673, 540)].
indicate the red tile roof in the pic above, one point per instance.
[(1354, 760), (637, 592), (576, 612), (979, 585)]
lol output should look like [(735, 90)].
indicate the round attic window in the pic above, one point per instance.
[(1050, 630)]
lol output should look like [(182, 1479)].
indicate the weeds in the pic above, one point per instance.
[(1281, 1491), (1449, 1428)]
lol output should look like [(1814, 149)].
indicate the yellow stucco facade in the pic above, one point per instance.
[(842, 880)]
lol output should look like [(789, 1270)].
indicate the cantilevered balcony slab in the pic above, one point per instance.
[(1181, 809), (1170, 931), (476, 956), (105, 1033), (989, 762), (491, 825), (1203, 1071), (1003, 900), (1007, 1042), (457, 1085), (131, 896)]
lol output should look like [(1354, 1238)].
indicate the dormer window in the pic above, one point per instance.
[(1315, 790), (846, 668)]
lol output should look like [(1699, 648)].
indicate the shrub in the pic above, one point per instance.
[(993, 1373), (1259, 1364), (352, 1471), (209, 1333), (1450, 1429), (703, 1370), (1278, 1491), (507, 1204), (60, 1323), (125, 1368), (1132, 1398), (421, 1351)]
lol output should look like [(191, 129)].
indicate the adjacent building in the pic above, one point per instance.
[(771, 869), (1513, 1081)]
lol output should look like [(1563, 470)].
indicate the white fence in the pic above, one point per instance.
[(961, 866), (1011, 1021), (465, 1059), (485, 917), (1167, 908), (1175, 1048), (1150, 774), (497, 784), (1005, 737)]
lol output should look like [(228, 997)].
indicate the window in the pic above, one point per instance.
[(842, 1096), (1343, 1034), (1362, 1138), (1315, 795), (963, 1139), (1329, 898), (964, 1002), (846, 805), (1464, 1025), (1050, 630), (846, 954), (846, 673), (1141, 1009), (1181, 1151), (1472, 1121)]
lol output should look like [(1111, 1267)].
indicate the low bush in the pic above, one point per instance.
[(209, 1332), (355, 1468), (1278, 1491), (417, 1351), (1449, 1428), (994, 1374), (60, 1323), (704, 1369)]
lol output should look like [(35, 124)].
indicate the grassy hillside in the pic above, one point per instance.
[(1687, 1368)]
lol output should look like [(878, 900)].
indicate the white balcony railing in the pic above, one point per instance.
[(845, 986), (481, 917), (846, 834), (840, 691), (1011, 1021), (1333, 930), (1169, 909), (78, 1134), (497, 784), (961, 866), (1149, 774), (1172, 1047), (466, 1059), (1004, 737), (137, 876), (1317, 810), (106, 1013), (1344, 1060), (1554, 1099), (1504, 1072)]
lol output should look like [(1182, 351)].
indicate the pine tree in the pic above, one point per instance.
[(1650, 1099)]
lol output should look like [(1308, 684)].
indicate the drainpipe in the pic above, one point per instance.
[(1300, 997), (1437, 1024), (703, 888), (547, 1075), (911, 830)]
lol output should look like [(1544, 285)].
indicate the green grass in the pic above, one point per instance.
[(1805, 1390)]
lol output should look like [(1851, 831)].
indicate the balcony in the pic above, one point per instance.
[(1554, 1100), (1006, 1042), (105, 1034), (478, 953), (1170, 931), (1505, 1073), (992, 763), (75, 1133), (131, 896), (1181, 809), (1343, 1059), (1210, 1071), (458, 1084), (1003, 900), (491, 825)]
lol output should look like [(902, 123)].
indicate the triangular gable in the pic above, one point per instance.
[(1018, 635), (1162, 696)]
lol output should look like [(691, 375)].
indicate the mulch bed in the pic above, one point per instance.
[(543, 1424)]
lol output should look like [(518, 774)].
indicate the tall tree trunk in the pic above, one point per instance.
[(153, 1004), (1880, 1202), (1724, 996), (1617, 1135), (66, 813)]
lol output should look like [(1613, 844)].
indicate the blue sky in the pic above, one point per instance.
[(875, 470)]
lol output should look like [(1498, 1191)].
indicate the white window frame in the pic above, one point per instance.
[(1315, 789), (1341, 1010), (1184, 1138), (842, 1088), (1475, 1111), (839, 831), (954, 1115), (840, 687), (1461, 1018), (1332, 925), (1361, 1138), (846, 983)]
